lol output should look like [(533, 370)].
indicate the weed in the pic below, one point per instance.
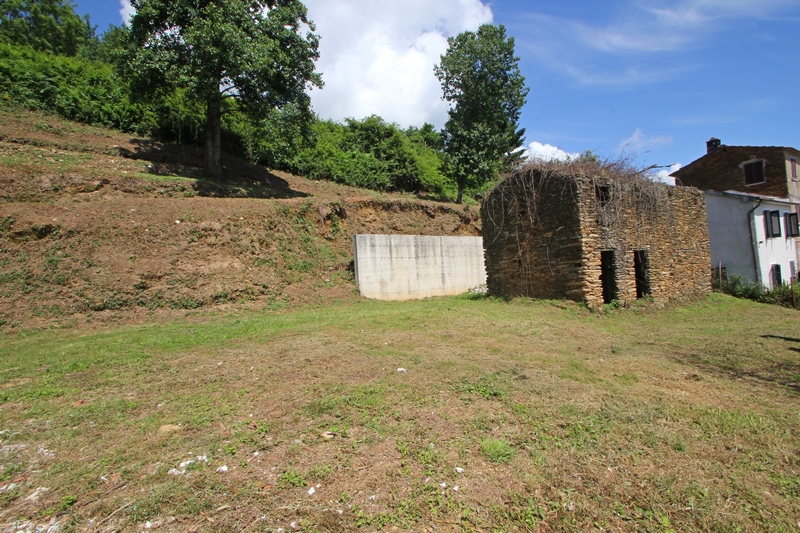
[(520, 510), (497, 450), (6, 223), (68, 501), (229, 449), (290, 479), (488, 386)]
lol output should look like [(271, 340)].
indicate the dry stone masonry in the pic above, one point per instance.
[(558, 232)]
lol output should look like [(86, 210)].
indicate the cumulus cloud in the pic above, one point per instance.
[(126, 11), (547, 152), (639, 142), (378, 57), (663, 175)]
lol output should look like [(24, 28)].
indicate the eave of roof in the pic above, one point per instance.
[(751, 196)]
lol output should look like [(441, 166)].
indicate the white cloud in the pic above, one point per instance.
[(663, 175), (126, 11), (378, 57), (639, 142), (547, 152), (608, 51)]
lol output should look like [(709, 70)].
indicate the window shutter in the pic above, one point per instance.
[(772, 223), (792, 229)]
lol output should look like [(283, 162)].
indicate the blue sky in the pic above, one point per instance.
[(652, 78)]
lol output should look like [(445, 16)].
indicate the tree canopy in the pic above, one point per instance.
[(45, 25), (259, 52), (481, 79)]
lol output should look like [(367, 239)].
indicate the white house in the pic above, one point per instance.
[(753, 236)]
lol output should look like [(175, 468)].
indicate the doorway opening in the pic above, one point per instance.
[(641, 267), (608, 275)]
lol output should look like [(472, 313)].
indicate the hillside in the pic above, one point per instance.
[(96, 225)]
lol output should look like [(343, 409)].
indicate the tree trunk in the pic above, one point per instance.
[(213, 138), (460, 193)]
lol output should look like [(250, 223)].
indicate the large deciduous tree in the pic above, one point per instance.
[(481, 79), (259, 52), (45, 25)]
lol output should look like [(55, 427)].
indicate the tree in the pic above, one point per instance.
[(251, 51), (45, 25), (481, 79)]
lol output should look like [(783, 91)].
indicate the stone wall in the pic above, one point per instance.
[(720, 171), (544, 238), (667, 223), (532, 239)]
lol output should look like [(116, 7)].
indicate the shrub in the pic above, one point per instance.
[(739, 287)]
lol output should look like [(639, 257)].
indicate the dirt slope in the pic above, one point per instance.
[(96, 225)]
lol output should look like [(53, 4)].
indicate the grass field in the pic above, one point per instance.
[(457, 414)]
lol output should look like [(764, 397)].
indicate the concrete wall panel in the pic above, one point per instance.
[(408, 267)]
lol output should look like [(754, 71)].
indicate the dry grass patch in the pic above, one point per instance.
[(509, 416)]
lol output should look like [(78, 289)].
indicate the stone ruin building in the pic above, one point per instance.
[(594, 233)]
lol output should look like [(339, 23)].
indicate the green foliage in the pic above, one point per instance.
[(481, 79), (273, 140), (735, 285), (252, 51), (77, 89), (375, 154), (497, 450), (45, 25), (290, 479)]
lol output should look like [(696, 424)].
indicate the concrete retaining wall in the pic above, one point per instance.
[(409, 267)]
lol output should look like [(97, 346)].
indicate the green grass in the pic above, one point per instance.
[(543, 414), (497, 450)]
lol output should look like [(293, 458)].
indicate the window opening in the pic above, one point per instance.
[(603, 195), (754, 172), (772, 221), (792, 229), (775, 276), (792, 270), (793, 163), (641, 267), (608, 276)]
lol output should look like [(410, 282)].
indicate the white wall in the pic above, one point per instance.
[(729, 235), (774, 250), (732, 240), (408, 267)]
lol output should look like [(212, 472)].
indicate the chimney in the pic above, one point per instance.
[(712, 144)]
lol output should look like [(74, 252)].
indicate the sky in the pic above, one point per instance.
[(650, 80)]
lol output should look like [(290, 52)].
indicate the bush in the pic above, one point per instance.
[(375, 154), (739, 287), (77, 89)]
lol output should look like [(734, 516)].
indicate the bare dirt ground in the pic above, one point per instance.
[(98, 226), (147, 382)]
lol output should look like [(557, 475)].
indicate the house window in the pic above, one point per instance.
[(793, 164), (775, 276), (792, 270), (772, 223), (792, 229), (754, 172)]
